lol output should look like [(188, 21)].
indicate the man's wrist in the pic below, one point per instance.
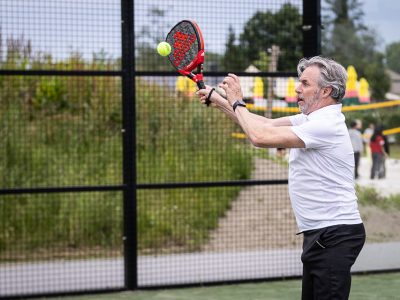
[(238, 103)]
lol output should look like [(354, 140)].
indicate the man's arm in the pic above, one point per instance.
[(223, 105), (260, 133), (266, 135)]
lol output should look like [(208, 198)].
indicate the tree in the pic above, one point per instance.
[(375, 73), (346, 12), (289, 37), (234, 58), (150, 34), (350, 42), (393, 56), (264, 29)]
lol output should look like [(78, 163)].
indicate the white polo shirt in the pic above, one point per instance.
[(321, 184)]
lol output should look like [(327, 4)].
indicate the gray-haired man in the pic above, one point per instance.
[(321, 168)]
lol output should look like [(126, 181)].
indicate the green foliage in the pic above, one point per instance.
[(53, 151), (50, 94), (59, 221), (375, 73), (348, 41), (147, 39), (346, 11), (369, 196), (234, 58), (149, 60), (385, 117), (58, 131), (177, 145), (393, 56), (395, 151), (264, 29), (65, 131)]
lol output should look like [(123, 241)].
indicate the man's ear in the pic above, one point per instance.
[(326, 91)]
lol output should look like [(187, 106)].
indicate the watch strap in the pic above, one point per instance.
[(238, 103)]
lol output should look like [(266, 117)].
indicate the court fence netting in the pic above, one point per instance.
[(114, 177)]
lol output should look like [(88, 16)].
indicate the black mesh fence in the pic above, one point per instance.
[(223, 200), (61, 214), (74, 35), (236, 34), (60, 131), (112, 174), (60, 243)]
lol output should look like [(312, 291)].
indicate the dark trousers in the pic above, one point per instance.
[(357, 163), (377, 165), (327, 257)]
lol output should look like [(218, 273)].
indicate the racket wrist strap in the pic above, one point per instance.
[(209, 96)]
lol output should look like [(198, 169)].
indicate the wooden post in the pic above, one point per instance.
[(273, 63)]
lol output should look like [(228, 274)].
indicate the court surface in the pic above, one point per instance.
[(364, 287)]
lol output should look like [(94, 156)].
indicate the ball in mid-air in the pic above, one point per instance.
[(164, 48)]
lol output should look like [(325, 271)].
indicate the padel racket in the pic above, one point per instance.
[(187, 54)]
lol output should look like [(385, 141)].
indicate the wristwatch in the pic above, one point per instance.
[(238, 103)]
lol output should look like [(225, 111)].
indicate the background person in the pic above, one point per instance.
[(378, 153), (321, 171), (357, 143), (368, 132)]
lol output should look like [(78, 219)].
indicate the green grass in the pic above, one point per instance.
[(50, 142), (182, 142), (370, 196), (395, 151), (54, 144), (364, 287)]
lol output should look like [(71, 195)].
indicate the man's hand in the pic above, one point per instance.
[(203, 94), (214, 96), (231, 85)]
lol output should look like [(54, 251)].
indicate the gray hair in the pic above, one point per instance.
[(332, 73)]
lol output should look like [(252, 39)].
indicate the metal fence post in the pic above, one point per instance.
[(311, 28), (129, 144)]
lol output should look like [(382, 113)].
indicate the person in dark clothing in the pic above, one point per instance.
[(378, 153)]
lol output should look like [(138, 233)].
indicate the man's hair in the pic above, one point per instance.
[(332, 73), (353, 124)]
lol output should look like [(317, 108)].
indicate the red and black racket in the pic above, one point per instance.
[(187, 54)]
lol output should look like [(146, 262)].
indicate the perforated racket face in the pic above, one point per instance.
[(186, 42)]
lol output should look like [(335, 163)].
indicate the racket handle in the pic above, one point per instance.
[(201, 85), (221, 92)]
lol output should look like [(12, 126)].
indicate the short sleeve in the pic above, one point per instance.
[(297, 119), (316, 134)]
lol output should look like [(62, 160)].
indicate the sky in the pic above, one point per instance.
[(384, 17), (92, 25)]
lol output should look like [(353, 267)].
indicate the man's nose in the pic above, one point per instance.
[(298, 88)]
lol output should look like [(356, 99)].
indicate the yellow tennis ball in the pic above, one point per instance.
[(164, 48)]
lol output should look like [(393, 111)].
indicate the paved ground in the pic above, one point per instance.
[(257, 215), (23, 279), (386, 186)]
